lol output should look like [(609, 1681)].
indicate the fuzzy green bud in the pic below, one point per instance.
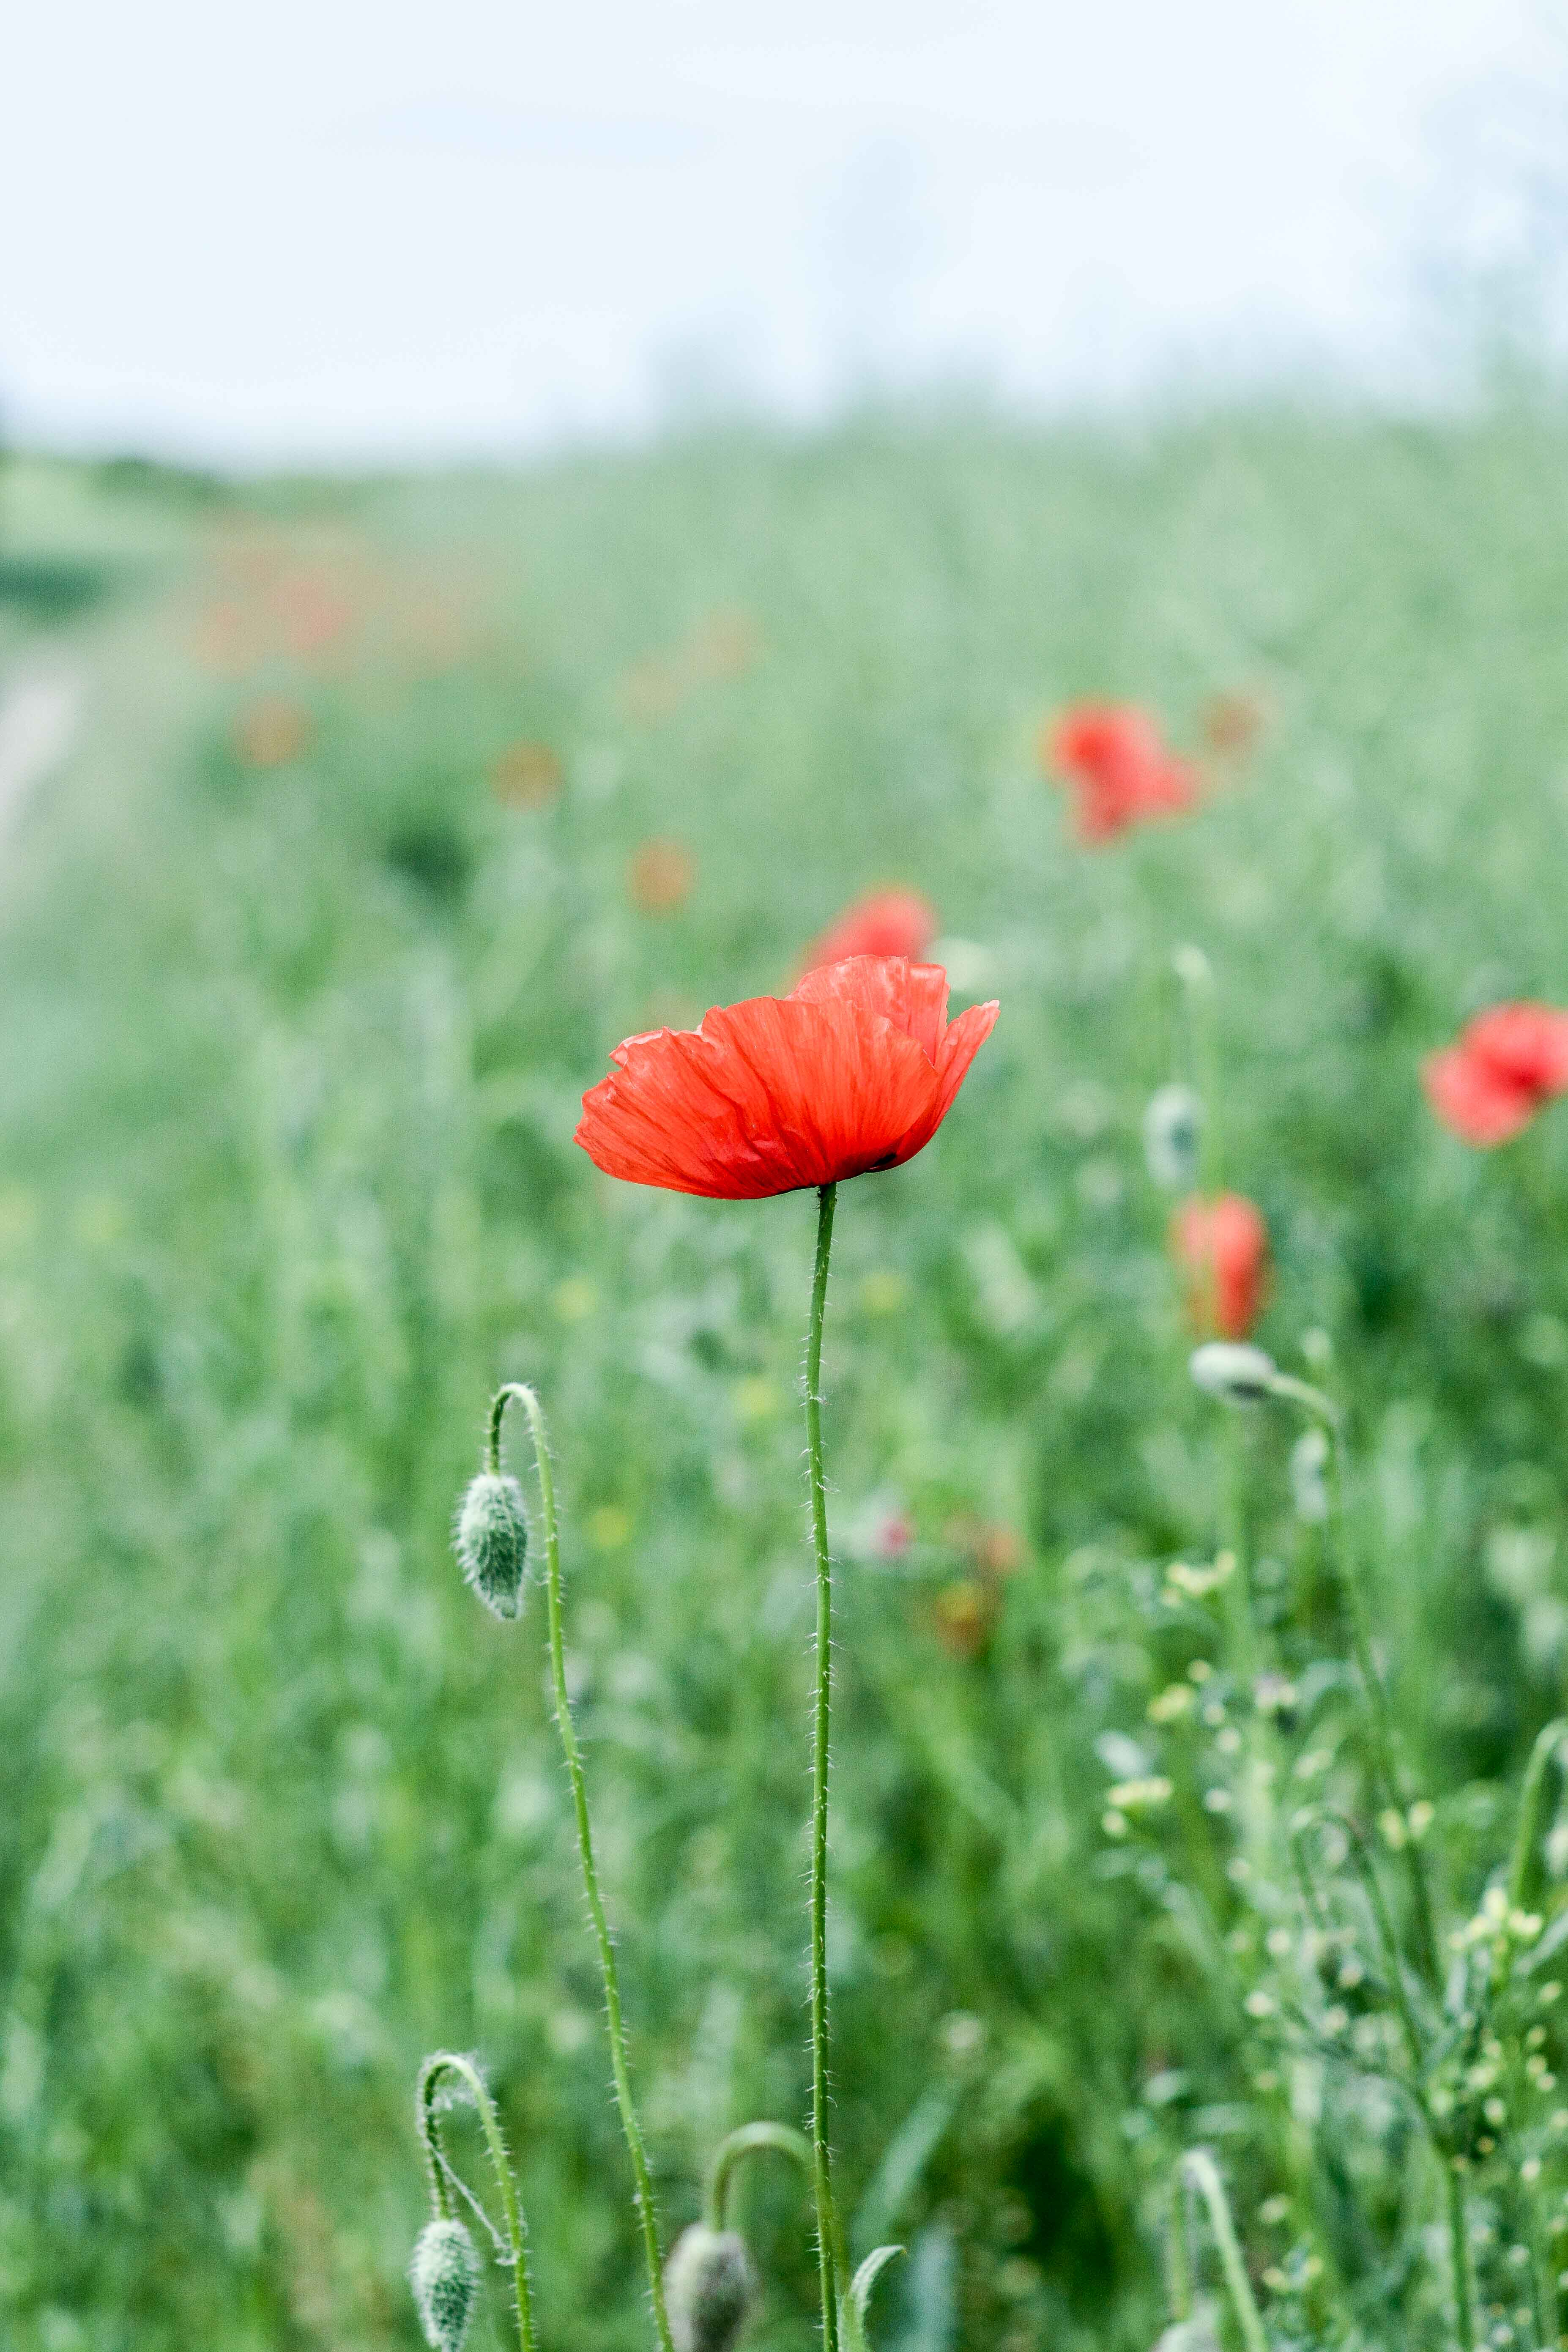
[(491, 1542), (445, 2277), (709, 2287)]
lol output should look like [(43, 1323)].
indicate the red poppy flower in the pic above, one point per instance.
[(885, 923), (1507, 1062), (855, 1071), (1115, 757), (1223, 1247)]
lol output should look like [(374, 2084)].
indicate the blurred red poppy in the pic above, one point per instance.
[(1507, 1062), (1114, 756), (1222, 1246), (884, 923), (854, 1072)]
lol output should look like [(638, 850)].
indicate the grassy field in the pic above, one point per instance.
[(306, 965)]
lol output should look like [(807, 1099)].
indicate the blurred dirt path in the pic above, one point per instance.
[(40, 713)]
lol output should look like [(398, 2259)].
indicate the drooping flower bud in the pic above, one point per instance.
[(709, 2287), (445, 2277), (1172, 1132), (1233, 1372), (491, 1542)]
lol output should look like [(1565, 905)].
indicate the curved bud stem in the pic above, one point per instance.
[(609, 1976), (829, 2259), (1532, 1801), (513, 2245), (752, 2139), (1199, 2171)]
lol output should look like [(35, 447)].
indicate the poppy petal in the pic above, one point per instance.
[(1477, 1101), (1525, 1043), (911, 997)]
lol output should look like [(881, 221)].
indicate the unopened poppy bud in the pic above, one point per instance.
[(1233, 1372), (709, 2288), (445, 2277), (491, 1542), (1173, 1130)]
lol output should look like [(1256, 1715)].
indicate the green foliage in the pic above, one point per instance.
[(293, 1052)]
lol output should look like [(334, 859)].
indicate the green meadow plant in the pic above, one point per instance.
[(854, 1073), (1390, 2038)]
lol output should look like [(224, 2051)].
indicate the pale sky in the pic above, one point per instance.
[(327, 230)]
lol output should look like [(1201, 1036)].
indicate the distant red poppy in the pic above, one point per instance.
[(1117, 761), (884, 923), (854, 1072), (1507, 1062), (1222, 1246)]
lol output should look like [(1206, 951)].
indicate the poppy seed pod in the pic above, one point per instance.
[(1172, 1132), (709, 2286), (1233, 1372), (445, 2277), (491, 1542)]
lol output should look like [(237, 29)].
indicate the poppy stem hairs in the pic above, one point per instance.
[(609, 1976), (822, 2164)]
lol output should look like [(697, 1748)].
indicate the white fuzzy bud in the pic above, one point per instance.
[(491, 1542), (709, 2287), (1173, 1132), (445, 2277), (1232, 1370)]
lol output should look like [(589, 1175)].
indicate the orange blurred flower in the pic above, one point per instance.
[(526, 776), (1232, 723), (964, 1615), (884, 923), (1222, 1247), (272, 732), (996, 1549), (723, 646), (313, 611), (651, 690), (661, 876), (1115, 758)]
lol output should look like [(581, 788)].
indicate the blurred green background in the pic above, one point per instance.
[(391, 808)]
